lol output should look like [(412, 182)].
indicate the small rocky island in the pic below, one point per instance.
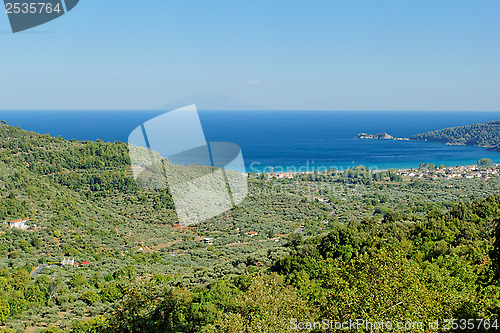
[(379, 136)]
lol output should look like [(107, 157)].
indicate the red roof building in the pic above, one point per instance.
[(19, 224)]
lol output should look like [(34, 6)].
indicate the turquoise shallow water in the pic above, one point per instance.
[(297, 140)]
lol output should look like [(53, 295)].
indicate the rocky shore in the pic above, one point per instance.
[(379, 136)]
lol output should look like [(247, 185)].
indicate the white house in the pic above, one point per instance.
[(208, 241), (19, 224), (68, 262)]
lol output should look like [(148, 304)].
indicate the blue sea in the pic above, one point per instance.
[(287, 140)]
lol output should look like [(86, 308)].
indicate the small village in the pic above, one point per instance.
[(470, 171)]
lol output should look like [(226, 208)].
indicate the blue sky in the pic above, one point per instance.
[(332, 55)]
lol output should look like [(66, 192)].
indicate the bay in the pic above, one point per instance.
[(288, 140)]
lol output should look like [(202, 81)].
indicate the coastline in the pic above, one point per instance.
[(304, 141), (433, 173), (472, 167)]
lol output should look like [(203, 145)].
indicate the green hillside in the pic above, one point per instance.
[(482, 135), (331, 245)]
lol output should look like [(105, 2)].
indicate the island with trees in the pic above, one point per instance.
[(481, 135)]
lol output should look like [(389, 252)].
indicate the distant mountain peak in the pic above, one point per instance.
[(220, 102)]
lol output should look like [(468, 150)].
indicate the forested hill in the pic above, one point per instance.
[(482, 135), (334, 246)]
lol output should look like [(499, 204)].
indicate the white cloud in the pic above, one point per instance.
[(254, 82)]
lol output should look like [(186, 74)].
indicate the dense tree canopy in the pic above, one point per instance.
[(331, 245)]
